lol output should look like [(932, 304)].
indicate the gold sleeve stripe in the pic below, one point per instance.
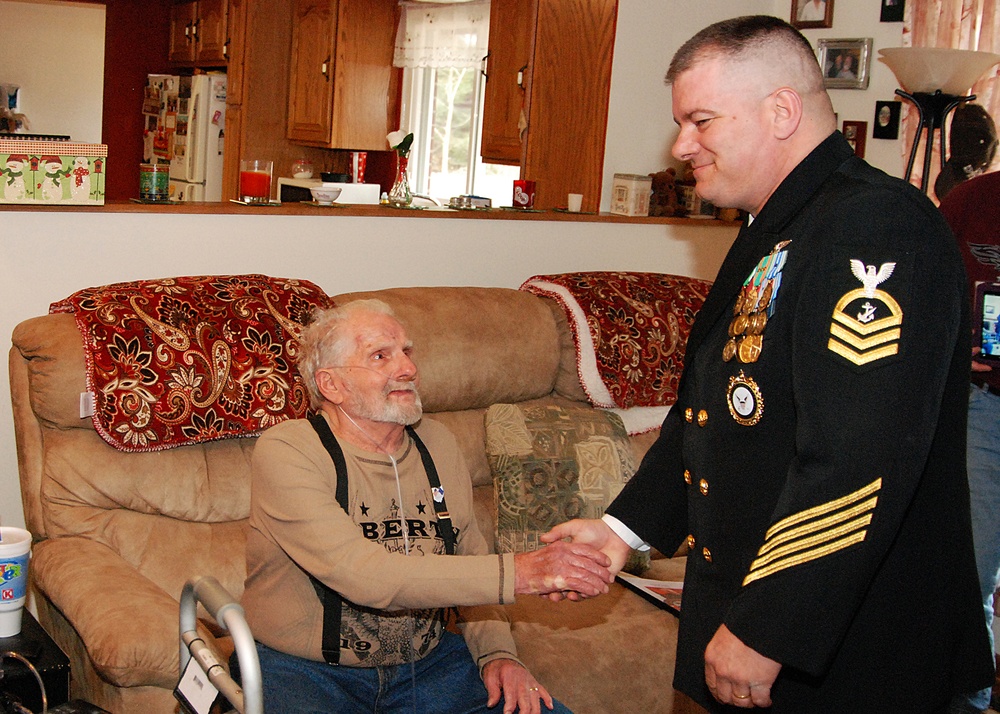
[(806, 557), (825, 508), (811, 542), (816, 532), (822, 524)]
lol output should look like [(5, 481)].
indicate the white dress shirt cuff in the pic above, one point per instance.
[(625, 533)]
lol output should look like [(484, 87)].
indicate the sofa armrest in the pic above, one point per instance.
[(128, 624)]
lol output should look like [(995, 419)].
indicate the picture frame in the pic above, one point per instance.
[(812, 13), (892, 10), (856, 132), (886, 122), (846, 63)]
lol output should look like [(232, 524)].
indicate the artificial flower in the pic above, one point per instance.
[(400, 142)]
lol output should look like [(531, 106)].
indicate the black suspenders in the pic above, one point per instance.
[(332, 602)]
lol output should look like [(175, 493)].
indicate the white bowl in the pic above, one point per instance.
[(324, 195)]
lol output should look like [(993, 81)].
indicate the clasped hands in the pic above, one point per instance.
[(580, 561), (734, 672)]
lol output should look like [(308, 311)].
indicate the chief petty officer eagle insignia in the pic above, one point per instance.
[(867, 321)]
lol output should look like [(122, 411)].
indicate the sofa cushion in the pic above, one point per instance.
[(551, 464), (186, 360)]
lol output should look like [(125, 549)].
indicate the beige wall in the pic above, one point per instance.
[(55, 52)]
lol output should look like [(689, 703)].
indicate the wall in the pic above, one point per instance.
[(60, 70), (858, 19), (50, 254), (640, 124)]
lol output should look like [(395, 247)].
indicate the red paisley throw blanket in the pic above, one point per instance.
[(630, 331), (187, 360)]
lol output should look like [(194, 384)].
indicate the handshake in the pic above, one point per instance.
[(580, 561)]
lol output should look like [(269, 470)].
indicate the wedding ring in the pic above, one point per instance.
[(532, 689), (742, 696)]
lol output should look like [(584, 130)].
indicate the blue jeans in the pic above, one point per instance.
[(446, 681), (984, 490)]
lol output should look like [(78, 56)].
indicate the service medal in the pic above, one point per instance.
[(746, 405)]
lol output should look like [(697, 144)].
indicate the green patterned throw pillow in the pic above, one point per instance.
[(551, 464)]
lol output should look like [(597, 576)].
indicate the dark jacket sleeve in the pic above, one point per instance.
[(654, 502)]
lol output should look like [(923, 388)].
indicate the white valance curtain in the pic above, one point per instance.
[(442, 34), (958, 24)]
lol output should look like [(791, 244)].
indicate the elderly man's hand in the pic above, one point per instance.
[(562, 567), (521, 692)]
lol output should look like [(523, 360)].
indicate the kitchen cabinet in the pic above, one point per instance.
[(512, 24), (342, 85), (198, 32), (563, 94)]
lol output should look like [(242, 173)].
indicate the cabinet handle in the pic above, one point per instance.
[(520, 76), (187, 32), (225, 48), (194, 30), (325, 68), (484, 66)]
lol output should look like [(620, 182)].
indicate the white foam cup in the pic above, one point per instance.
[(15, 547), (574, 202)]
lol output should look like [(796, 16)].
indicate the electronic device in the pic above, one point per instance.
[(987, 321)]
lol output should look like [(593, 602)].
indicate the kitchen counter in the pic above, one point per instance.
[(305, 209)]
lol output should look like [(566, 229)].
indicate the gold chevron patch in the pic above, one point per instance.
[(816, 532), (872, 332)]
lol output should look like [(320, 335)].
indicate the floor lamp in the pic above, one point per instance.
[(935, 80)]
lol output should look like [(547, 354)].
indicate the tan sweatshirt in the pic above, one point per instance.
[(393, 609)]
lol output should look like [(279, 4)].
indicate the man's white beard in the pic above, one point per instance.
[(382, 410)]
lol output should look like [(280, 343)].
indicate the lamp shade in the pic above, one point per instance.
[(927, 69)]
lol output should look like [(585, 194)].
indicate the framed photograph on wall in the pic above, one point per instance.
[(886, 124), (845, 63), (892, 10), (812, 13), (856, 132)]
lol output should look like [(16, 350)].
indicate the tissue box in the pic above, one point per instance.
[(52, 173), (630, 194)]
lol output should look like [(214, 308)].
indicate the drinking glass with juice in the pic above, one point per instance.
[(255, 181)]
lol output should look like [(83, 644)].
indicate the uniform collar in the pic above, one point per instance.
[(802, 184)]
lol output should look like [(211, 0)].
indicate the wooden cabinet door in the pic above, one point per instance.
[(512, 25), (569, 93), (310, 92), (210, 45), (364, 100), (182, 24)]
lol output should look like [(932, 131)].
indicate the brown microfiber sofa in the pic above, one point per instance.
[(118, 534)]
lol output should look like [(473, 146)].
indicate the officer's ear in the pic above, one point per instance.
[(786, 107)]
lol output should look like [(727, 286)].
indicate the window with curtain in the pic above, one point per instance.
[(441, 48), (958, 24)]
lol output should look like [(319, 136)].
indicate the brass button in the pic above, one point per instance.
[(687, 477), (706, 554), (689, 414), (703, 487), (702, 417), (690, 542)]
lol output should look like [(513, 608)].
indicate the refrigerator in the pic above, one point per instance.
[(184, 120)]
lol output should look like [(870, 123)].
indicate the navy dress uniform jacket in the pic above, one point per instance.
[(815, 458)]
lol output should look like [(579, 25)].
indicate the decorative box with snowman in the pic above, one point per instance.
[(57, 173)]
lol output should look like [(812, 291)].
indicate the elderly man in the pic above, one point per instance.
[(354, 517), (815, 459)]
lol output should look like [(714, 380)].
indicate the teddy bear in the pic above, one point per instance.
[(663, 201)]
